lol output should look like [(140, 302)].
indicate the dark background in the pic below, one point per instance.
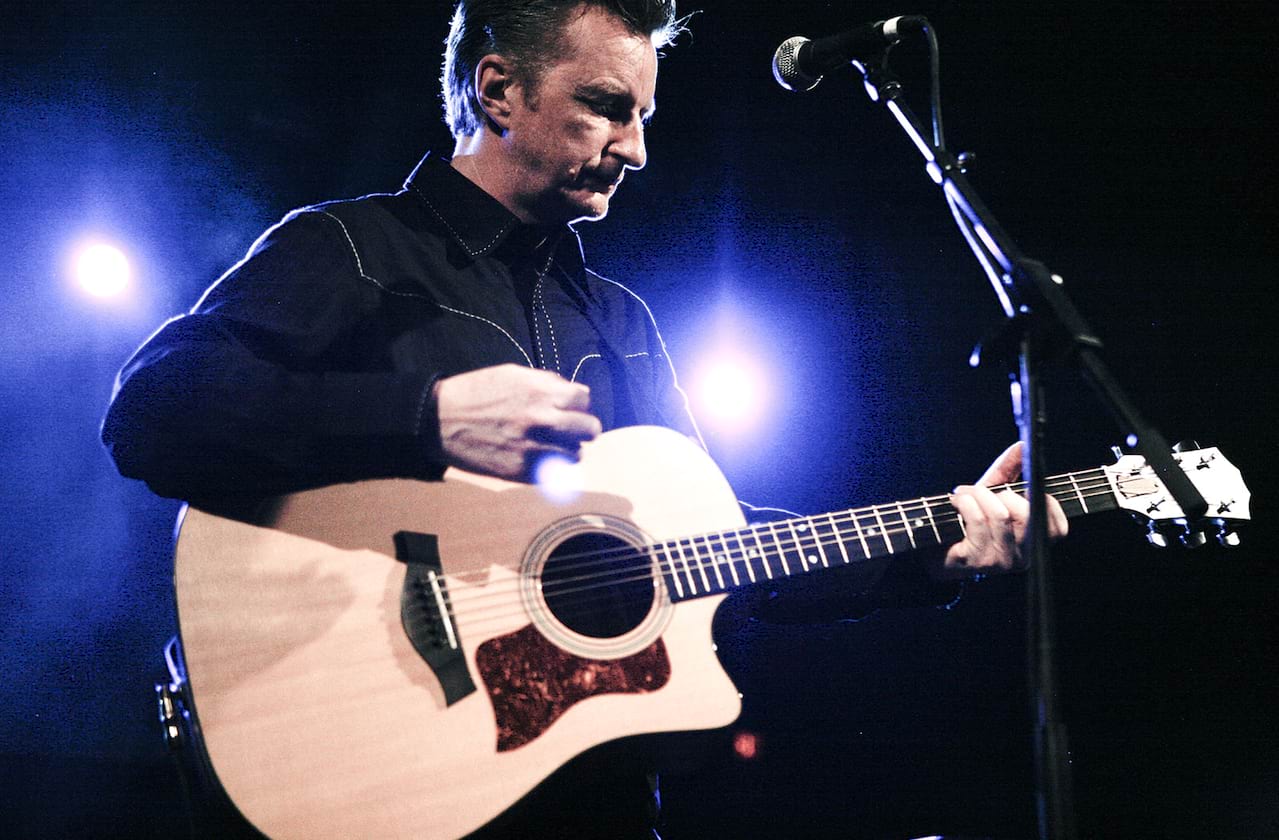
[(1126, 145)]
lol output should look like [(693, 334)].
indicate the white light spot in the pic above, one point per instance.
[(729, 391), (102, 270), (559, 479)]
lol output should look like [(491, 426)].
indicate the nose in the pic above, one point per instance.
[(628, 144)]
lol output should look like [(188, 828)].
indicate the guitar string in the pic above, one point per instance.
[(890, 510), (739, 556), (933, 505), (764, 544), (478, 615)]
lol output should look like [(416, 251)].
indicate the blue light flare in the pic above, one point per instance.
[(102, 270), (729, 390)]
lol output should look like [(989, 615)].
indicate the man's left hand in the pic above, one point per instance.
[(995, 523)]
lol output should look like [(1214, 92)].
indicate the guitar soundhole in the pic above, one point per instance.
[(598, 585)]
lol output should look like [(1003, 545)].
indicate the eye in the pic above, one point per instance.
[(609, 110)]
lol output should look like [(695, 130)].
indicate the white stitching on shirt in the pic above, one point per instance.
[(360, 267), (547, 315), (457, 235), (518, 346), (582, 361)]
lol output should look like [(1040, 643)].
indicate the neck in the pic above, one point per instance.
[(710, 564), (479, 158)]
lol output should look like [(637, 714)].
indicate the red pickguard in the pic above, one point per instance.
[(531, 682)]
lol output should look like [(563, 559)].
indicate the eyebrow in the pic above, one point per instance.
[(610, 90)]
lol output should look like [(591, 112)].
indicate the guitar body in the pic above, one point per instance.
[(322, 718), (408, 659)]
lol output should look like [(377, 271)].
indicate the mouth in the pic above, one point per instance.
[(605, 185)]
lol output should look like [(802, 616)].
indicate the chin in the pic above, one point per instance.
[(590, 212)]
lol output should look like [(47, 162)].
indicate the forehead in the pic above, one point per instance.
[(600, 51)]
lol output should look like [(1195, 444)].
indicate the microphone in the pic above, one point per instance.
[(800, 63)]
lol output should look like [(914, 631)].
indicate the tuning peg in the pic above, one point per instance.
[(1228, 539), (1119, 453), (1186, 446), (1156, 537)]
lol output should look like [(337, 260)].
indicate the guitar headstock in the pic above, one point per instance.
[(1138, 490)]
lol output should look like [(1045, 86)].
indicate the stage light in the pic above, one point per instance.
[(559, 479), (102, 270), (728, 391)]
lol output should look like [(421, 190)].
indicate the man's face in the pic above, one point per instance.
[(576, 133)]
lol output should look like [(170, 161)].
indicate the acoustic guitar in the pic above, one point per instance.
[(398, 658)]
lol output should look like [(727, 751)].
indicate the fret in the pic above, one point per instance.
[(688, 571), (883, 531), (781, 552), (701, 569), (932, 520), (861, 535), (798, 543), (910, 534), (1082, 504), (710, 553), (750, 570), (834, 536), (760, 552), (672, 571), (807, 526), (726, 555)]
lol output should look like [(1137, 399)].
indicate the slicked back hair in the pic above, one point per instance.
[(531, 34)]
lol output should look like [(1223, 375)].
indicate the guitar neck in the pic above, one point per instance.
[(709, 564)]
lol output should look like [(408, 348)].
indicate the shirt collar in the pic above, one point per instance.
[(476, 220)]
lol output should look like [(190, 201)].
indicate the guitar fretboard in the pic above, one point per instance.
[(708, 564)]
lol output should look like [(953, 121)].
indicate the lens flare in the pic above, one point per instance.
[(102, 270)]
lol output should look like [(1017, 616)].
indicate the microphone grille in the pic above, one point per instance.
[(786, 66)]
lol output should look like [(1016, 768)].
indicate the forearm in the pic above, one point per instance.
[(197, 415)]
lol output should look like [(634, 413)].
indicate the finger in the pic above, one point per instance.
[(1006, 468), (1019, 508), (572, 396), (991, 528), (567, 428), (1058, 523), (974, 527)]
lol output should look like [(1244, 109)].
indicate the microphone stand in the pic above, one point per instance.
[(1045, 328)]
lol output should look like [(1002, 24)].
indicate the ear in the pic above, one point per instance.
[(495, 88)]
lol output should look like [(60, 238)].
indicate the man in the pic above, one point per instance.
[(454, 323)]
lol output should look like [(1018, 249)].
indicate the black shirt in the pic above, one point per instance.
[(310, 362)]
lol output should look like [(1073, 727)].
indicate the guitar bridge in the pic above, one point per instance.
[(427, 616)]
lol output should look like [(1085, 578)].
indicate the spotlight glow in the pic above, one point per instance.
[(729, 391), (102, 270), (559, 479)]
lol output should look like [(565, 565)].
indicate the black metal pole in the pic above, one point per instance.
[(1053, 800)]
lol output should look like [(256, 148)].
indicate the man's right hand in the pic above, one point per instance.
[(501, 420)]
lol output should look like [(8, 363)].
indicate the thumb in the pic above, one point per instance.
[(1007, 467)]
